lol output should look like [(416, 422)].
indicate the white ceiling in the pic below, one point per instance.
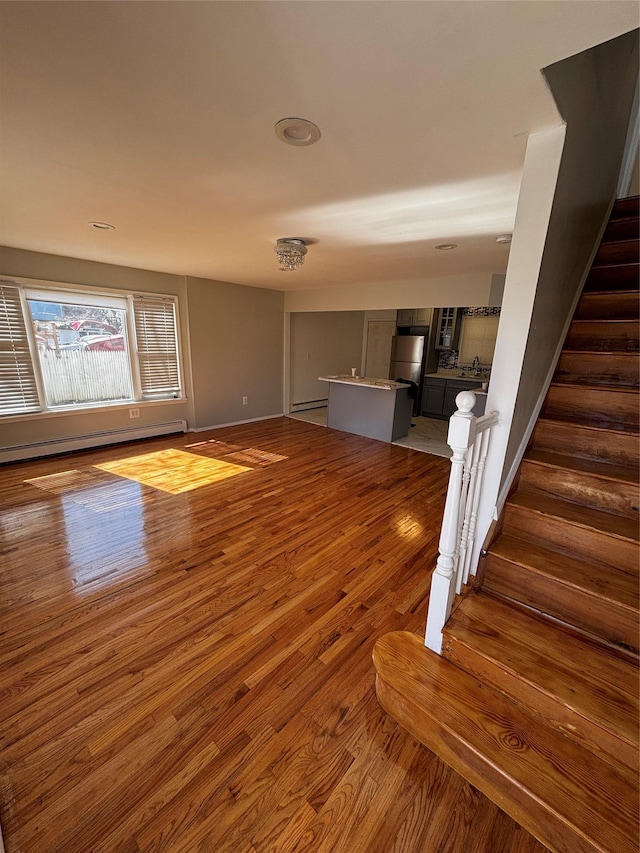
[(158, 117)]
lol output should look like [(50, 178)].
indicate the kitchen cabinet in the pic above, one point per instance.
[(439, 395), (433, 397), (413, 316), (447, 330)]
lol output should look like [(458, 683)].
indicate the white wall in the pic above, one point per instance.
[(569, 182), (594, 92), (457, 291), (540, 173), (322, 343)]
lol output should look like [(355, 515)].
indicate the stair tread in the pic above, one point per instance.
[(611, 583), (595, 428), (603, 688), (634, 239), (569, 798), (620, 292), (606, 470), (590, 387), (601, 352), (593, 519), (613, 265), (603, 321)]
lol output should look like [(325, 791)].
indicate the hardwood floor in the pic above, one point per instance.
[(187, 628)]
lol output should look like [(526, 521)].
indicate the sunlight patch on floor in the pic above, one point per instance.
[(250, 456), (173, 471)]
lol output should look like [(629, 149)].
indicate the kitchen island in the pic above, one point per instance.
[(374, 408)]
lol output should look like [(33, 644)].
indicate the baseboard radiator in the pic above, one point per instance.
[(309, 404), (80, 442)]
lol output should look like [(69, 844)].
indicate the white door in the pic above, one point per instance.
[(378, 353)]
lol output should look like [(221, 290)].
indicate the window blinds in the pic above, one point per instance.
[(18, 389), (157, 346)]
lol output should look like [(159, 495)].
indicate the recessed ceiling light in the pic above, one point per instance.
[(297, 131), (503, 239), (102, 226), (444, 247)]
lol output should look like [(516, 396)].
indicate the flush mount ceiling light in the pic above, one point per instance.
[(297, 131), (503, 239), (290, 252), (445, 247), (102, 226)]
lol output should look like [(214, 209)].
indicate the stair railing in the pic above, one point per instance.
[(468, 437)]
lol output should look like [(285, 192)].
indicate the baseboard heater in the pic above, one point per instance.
[(309, 404), (95, 439)]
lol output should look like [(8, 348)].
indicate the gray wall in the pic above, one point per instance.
[(236, 335), (55, 268), (325, 342), (216, 321), (594, 93)]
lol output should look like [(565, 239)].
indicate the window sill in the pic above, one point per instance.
[(92, 409)]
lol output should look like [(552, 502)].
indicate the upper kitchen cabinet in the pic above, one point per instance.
[(413, 317), (447, 328)]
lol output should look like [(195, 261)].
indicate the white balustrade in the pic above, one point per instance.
[(468, 437)]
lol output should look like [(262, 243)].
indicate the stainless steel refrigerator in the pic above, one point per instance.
[(407, 354)]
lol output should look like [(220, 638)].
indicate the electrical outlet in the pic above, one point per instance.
[(245, 400), (134, 413)]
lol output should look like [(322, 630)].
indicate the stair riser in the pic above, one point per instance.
[(619, 277), (621, 229), (595, 368), (609, 306), (623, 252), (607, 495), (607, 619), (580, 729), (560, 437), (626, 207), (565, 536), (591, 406), (603, 336)]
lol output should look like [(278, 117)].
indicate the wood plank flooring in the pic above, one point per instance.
[(189, 668)]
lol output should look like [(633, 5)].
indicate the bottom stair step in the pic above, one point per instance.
[(585, 688), (570, 799)]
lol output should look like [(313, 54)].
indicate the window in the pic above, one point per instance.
[(76, 349), (157, 347), (18, 389)]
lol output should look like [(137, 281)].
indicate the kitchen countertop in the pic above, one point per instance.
[(457, 374), (367, 381)]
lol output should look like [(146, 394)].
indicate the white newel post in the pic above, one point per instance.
[(460, 438)]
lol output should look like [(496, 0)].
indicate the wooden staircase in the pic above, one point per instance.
[(535, 697)]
